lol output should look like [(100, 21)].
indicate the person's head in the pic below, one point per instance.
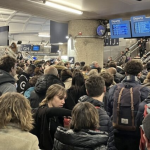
[(30, 69), (122, 52), (67, 65), (95, 86), (146, 128), (84, 116), (82, 63), (133, 67), (95, 64), (93, 72), (66, 72), (108, 78), (112, 64), (15, 108), (86, 68), (32, 81), (8, 64), (127, 49), (55, 96), (51, 70), (19, 70), (112, 70), (77, 65), (77, 79)]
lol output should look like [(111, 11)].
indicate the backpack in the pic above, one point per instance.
[(125, 106), (142, 140)]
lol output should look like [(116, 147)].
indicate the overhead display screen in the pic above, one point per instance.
[(120, 28), (140, 26)]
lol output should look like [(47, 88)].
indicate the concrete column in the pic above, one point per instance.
[(84, 48)]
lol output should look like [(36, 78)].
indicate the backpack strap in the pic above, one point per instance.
[(132, 106), (118, 106)]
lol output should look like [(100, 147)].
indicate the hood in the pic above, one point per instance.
[(45, 81), (95, 102), (84, 138), (6, 77)]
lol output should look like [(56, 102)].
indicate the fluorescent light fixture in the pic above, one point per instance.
[(64, 8), (48, 46), (60, 43), (44, 35)]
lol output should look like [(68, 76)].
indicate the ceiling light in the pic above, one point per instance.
[(60, 43), (44, 35), (64, 8)]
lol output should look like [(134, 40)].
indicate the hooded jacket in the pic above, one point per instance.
[(7, 82), (105, 121), (82, 140), (41, 87)]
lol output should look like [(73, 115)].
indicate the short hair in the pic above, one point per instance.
[(112, 70), (108, 78), (33, 80), (86, 68), (133, 67), (15, 108), (66, 72), (52, 91), (77, 79), (95, 85), (93, 72), (112, 64), (51, 70), (7, 62), (66, 63), (84, 116)]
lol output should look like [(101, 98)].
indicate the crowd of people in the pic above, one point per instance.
[(51, 105)]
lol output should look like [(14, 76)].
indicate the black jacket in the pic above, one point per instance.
[(41, 87), (105, 121), (82, 140), (46, 122)]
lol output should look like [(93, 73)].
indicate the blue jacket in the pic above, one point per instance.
[(105, 121)]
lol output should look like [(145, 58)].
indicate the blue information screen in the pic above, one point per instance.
[(36, 47), (120, 29), (142, 27)]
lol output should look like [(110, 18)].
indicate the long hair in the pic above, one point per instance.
[(84, 116), (15, 108), (52, 91)]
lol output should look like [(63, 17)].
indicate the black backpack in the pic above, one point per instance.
[(125, 106)]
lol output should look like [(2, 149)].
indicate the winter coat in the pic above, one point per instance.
[(105, 121), (27, 93), (46, 122), (41, 87), (82, 140), (7, 82), (13, 138)]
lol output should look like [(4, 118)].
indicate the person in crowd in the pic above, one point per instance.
[(122, 59), (95, 88), (127, 140), (109, 79), (84, 131), (142, 47), (20, 57), (66, 78), (82, 64), (22, 83), (109, 59), (85, 71), (12, 51), (7, 72), (93, 72), (32, 82), (77, 65), (49, 78), (38, 71), (15, 123), (67, 65), (50, 115), (147, 80), (19, 71), (128, 54), (146, 128), (76, 90), (95, 65)]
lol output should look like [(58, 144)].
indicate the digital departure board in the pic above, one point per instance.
[(140, 26), (120, 28)]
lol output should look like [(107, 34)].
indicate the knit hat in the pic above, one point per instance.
[(146, 126)]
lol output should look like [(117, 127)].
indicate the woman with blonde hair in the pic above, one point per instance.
[(50, 115), (84, 131), (15, 123)]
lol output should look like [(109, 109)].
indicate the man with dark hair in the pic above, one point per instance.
[(95, 87), (67, 65), (22, 83), (125, 139), (7, 72)]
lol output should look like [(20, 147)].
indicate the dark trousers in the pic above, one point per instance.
[(141, 51), (125, 143)]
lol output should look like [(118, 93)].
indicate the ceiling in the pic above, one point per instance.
[(92, 9)]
